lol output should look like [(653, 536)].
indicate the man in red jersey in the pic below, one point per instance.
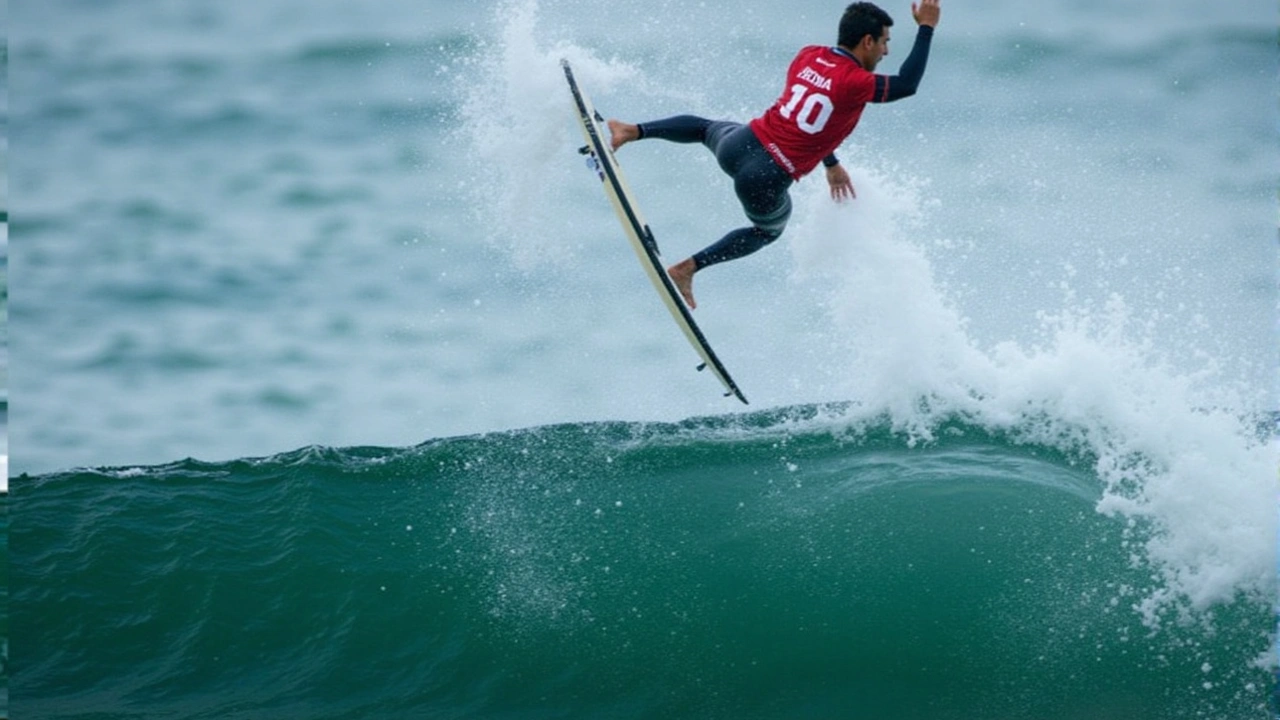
[(826, 90)]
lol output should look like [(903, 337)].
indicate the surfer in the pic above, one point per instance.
[(826, 91)]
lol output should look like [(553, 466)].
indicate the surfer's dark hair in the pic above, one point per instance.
[(861, 19)]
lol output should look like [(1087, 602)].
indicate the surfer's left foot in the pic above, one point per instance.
[(621, 133), (682, 275)]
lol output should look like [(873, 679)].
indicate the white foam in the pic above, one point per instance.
[(1177, 451)]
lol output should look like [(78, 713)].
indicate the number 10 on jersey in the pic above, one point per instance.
[(815, 109)]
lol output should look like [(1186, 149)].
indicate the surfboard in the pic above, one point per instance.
[(601, 161)]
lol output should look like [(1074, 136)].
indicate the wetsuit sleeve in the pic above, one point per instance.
[(904, 84), (830, 160)]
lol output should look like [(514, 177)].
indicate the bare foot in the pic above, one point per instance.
[(682, 275), (622, 133)]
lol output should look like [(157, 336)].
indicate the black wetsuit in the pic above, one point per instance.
[(760, 182)]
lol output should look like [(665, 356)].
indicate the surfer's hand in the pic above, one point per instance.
[(926, 13), (841, 185)]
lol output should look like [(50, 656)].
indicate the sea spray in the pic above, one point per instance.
[(1178, 453), (899, 341), (516, 121)]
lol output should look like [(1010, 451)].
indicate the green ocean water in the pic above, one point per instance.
[(762, 566)]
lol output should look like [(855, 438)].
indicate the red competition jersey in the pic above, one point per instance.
[(824, 97)]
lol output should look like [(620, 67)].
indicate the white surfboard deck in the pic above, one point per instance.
[(602, 161)]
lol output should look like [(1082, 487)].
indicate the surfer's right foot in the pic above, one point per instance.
[(621, 133), (682, 275)]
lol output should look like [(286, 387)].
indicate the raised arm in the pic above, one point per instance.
[(905, 83)]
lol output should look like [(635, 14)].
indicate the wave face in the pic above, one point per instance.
[(783, 564)]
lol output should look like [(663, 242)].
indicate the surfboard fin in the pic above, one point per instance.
[(702, 367), (584, 150)]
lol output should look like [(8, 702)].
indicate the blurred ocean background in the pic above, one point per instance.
[(340, 393)]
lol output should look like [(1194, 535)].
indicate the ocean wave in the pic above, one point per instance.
[(797, 557)]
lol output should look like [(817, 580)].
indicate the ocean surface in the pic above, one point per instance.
[(340, 393)]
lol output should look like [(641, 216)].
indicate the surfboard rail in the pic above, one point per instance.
[(601, 159)]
